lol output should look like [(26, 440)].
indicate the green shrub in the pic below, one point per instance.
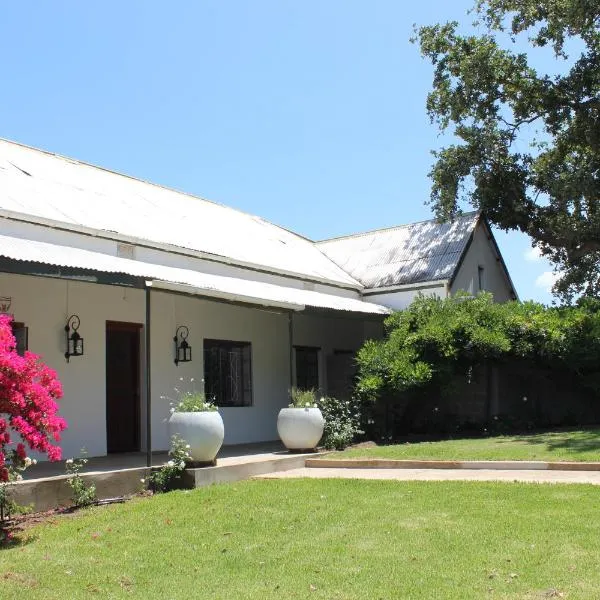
[(302, 398), (435, 343), (82, 494), (166, 477), (342, 422)]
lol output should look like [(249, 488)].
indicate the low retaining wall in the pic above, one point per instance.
[(52, 492), (380, 463)]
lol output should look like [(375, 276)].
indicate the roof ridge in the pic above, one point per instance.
[(404, 226)]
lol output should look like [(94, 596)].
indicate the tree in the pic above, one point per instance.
[(528, 149)]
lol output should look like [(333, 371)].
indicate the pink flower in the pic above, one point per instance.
[(28, 394)]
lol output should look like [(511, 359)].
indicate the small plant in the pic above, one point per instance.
[(303, 398), (342, 422), (13, 463), (82, 493), (164, 479), (190, 400)]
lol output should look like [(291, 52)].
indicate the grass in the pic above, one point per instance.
[(327, 539), (574, 445)]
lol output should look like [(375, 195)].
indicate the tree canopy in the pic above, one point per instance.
[(527, 149)]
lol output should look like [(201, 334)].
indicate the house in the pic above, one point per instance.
[(129, 289)]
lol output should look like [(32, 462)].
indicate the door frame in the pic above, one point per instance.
[(132, 328)]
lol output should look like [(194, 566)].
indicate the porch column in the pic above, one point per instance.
[(291, 338), (148, 380)]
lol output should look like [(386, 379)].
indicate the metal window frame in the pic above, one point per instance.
[(207, 343), (317, 350)]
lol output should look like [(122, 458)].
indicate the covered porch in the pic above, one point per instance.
[(129, 312)]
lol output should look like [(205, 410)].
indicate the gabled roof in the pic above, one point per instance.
[(404, 255), (41, 187)]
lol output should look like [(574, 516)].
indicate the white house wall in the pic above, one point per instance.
[(266, 331), (44, 304), (401, 299), (481, 253)]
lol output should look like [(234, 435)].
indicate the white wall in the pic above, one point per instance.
[(44, 304), (400, 299), (266, 331), (481, 253)]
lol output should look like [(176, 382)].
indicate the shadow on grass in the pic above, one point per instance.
[(573, 441), (18, 539)]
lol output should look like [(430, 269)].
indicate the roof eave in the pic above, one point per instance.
[(404, 287)]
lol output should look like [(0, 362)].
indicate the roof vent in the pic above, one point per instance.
[(126, 251)]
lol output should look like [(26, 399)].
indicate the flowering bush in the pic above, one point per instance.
[(28, 394), (190, 400), (342, 422), (303, 398), (164, 478)]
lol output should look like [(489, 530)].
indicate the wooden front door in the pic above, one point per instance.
[(122, 387)]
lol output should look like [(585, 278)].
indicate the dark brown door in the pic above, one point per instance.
[(122, 387)]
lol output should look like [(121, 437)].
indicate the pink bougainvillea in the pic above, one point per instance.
[(28, 394)]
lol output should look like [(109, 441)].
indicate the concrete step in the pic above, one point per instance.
[(236, 471)]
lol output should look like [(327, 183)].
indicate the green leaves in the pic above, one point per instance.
[(433, 340), (527, 149)]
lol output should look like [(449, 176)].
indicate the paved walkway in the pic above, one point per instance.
[(534, 476)]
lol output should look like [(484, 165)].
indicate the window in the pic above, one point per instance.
[(481, 277), (307, 368), (228, 372), (21, 334)]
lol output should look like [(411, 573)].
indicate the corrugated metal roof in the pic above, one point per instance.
[(193, 282), (415, 253), (45, 186)]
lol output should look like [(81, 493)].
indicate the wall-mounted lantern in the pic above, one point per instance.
[(5, 302), (183, 351), (74, 340)]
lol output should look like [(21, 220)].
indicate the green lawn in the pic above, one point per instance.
[(328, 539), (556, 446)]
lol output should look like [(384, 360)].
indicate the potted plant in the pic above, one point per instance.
[(197, 421), (300, 425)]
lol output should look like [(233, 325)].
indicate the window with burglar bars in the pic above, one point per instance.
[(307, 368), (228, 372)]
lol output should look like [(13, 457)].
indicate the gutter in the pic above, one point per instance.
[(195, 291), (406, 287)]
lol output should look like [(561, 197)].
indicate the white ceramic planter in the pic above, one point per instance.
[(203, 431), (300, 428)]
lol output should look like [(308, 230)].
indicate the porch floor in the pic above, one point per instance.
[(238, 454)]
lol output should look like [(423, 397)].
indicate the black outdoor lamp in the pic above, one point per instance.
[(74, 340), (183, 351)]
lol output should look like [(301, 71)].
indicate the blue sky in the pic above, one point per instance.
[(310, 114)]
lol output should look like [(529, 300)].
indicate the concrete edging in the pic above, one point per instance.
[(379, 463)]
